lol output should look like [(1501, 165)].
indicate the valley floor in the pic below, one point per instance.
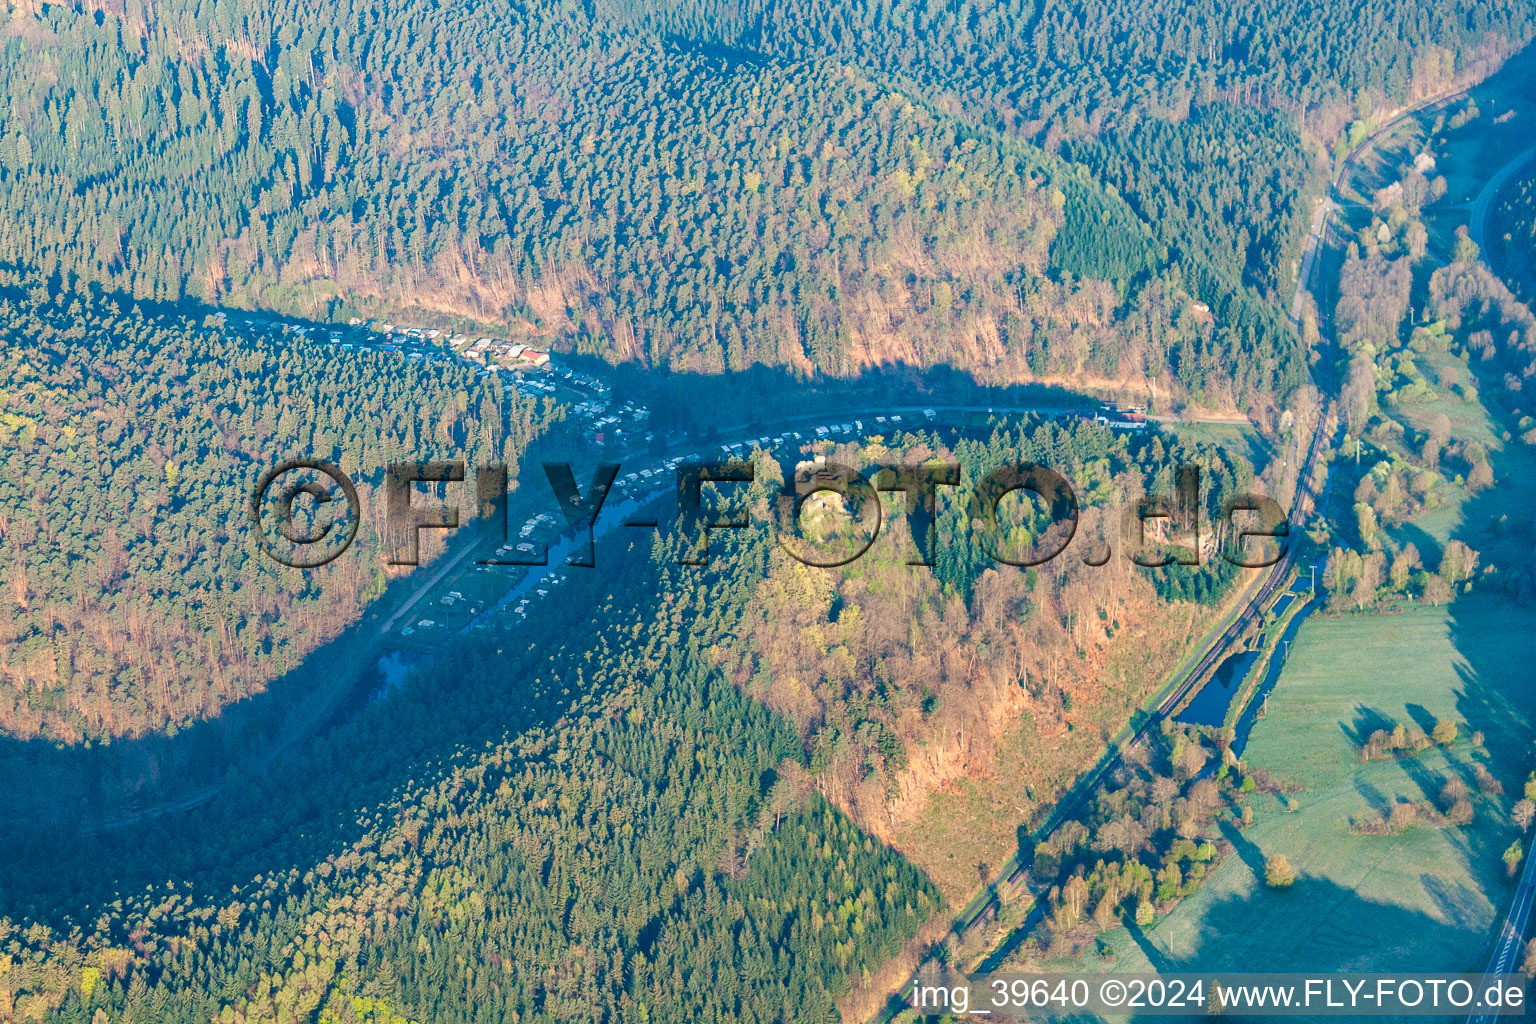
[(1425, 899)]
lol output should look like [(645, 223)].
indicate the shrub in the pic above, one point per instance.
[(1486, 782)]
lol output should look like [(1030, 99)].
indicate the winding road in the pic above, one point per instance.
[(1478, 216), (460, 557)]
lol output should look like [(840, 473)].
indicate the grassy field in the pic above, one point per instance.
[(1427, 898), (1418, 900), (1239, 437)]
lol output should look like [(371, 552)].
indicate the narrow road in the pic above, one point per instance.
[(1347, 165), (1506, 951), (1332, 199), (1320, 215), (456, 561), (1476, 224)]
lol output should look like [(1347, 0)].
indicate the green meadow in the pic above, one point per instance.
[(1416, 900), (1424, 898)]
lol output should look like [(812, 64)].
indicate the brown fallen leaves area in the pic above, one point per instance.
[(908, 695)]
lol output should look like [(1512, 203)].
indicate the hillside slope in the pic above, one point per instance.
[(601, 189)]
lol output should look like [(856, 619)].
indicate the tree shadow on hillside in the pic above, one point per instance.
[(1375, 798), (1366, 721), (1421, 717), (1459, 904), (1494, 696), (1429, 547), (1496, 652), (1246, 851), (1320, 925), (1428, 781), (280, 779), (1317, 925), (1161, 962)]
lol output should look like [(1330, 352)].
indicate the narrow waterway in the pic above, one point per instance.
[(1271, 677), (1211, 703)]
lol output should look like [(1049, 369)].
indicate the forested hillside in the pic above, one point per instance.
[(611, 192), (1512, 229), (1232, 177), (790, 194), (134, 596), (1122, 86), (904, 683), (785, 199), (624, 811), (629, 809), (596, 825), (1037, 64), (749, 792)]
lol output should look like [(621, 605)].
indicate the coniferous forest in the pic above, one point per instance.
[(674, 794), (132, 441), (679, 187)]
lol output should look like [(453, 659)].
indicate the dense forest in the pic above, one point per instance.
[(1123, 86), (603, 819), (595, 825), (1232, 177), (709, 188), (1039, 64), (903, 682), (678, 794), (620, 193), (135, 596)]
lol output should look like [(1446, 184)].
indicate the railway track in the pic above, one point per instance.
[(1216, 651)]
